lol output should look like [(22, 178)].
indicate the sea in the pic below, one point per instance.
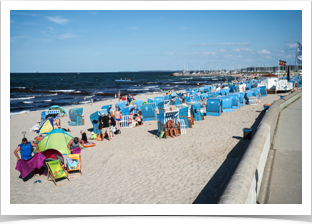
[(39, 91)]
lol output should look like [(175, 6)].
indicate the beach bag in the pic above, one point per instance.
[(161, 134), (93, 136), (112, 129)]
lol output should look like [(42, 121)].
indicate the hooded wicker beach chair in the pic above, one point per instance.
[(162, 119), (138, 104), (242, 98), (213, 107), (94, 121), (75, 117), (121, 105), (149, 112), (263, 91), (248, 94), (235, 100), (195, 111), (158, 100), (184, 115), (226, 104)]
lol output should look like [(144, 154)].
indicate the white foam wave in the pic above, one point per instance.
[(54, 94), (23, 98), (28, 101), (63, 91), (21, 112), (19, 87), (47, 100)]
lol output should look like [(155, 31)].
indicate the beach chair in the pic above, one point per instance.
[(217, 93), (213, 107), (56, 172), (129, 110), (223, 92), (184, 115), (187, 99), (235, 100), (226, 104), (196, 98), (102, 111), (75, 117), (248, 94), (120, 105), (158, 99), (107, 107), (177, 101), (256, 93), (204, 95), (49, 113), (196, 111), (76, 167), (263, 91), (95, 118), (227, 90), (149, 112), (211, 94), (166, 97), (138, 104), (162, 119), (242, 98), (149, 100)]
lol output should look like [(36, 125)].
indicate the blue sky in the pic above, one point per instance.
[(111, 41)]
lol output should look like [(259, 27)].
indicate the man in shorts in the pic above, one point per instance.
[(105, 127)]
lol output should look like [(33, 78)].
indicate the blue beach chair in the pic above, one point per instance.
[(49, 113), (128, 110), (213, 107), (177, 101), (102, 111), (248, 94), (263, 91), (149, 100), (75, 117), (235, 100), (162, 119), (242, 98), (195, 110), (121, 105), (149, 112), (183, 115), (158, 99), (138, 104), (107, 107), (226, 104), (94, 121)]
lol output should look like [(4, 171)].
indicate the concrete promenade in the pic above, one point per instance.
[(285, 185)]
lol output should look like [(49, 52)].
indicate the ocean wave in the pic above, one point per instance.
[(53, 94), (21, 112), (23, 98), (63, 91), (28, 101), (18, 87), (47, 100)]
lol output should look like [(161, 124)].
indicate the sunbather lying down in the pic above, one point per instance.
[(59, 127)]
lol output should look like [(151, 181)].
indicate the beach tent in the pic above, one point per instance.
[(46, 126), (61, 109), (55, 139)]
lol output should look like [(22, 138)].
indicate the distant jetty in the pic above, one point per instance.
[(187, 74)]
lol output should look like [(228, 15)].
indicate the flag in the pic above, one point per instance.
[(282, 63), (299, 53)]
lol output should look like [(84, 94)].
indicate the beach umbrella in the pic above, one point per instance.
[(61, 109), (46, 126)]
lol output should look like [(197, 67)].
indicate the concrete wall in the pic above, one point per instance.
[(244, 185)]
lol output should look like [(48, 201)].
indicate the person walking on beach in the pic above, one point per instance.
[(84, 99), (119, 95), (91, 100)]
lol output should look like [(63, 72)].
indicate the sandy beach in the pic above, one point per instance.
[(135, 167)]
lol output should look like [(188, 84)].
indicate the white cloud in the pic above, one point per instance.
[(23, 14), (292, 45), (264, 52), (242, 50), (58, 20), (290, 56), (282, 51), (224, 44), (67, 35), (222, 50)]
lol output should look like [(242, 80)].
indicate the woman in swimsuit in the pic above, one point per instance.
[(118, 118)]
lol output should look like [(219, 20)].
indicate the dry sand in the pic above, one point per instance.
[(135, 167)]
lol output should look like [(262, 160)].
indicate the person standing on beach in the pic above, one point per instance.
[(118, 118), (84, 99), (119, 95), (91, 100), (25, 148), (104, 126)]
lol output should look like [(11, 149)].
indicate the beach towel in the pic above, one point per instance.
[(76, 150), (25, 167)]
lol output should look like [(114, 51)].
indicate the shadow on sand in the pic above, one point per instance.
[(211, 193)]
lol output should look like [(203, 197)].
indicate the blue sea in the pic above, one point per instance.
[(31, 91)]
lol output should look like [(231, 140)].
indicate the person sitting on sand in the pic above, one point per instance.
[(118, 118), (138, 119), (172, 130), (26, 148), (73, 145), (38, 138), (84, 137)]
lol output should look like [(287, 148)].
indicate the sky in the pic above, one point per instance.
[(112, 41)]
